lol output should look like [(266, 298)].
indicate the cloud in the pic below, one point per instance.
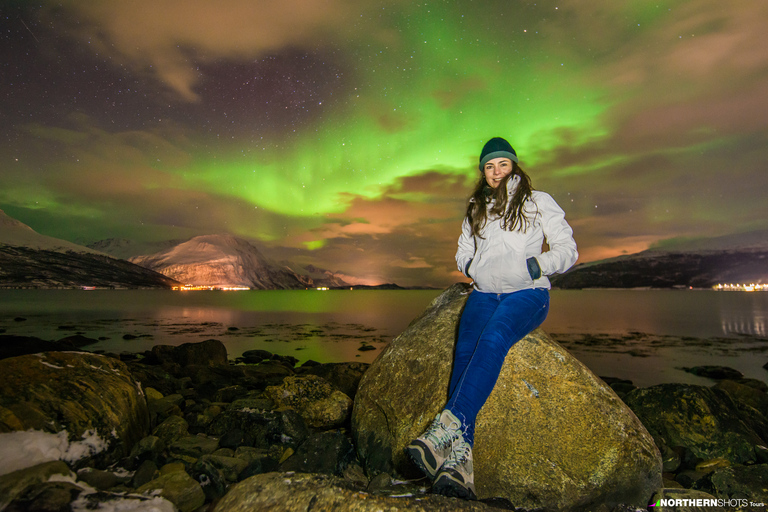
[(168, 38)]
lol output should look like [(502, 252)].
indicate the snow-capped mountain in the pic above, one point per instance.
[(221, 261), (31, 260)]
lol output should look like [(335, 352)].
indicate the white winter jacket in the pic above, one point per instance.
[(497, 260)]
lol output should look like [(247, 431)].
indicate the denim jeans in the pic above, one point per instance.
[(490, 324)]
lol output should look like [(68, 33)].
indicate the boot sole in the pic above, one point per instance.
[(421, 457), (452, 486)]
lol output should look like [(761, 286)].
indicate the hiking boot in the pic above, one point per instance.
[(433, 447), (457, 476)]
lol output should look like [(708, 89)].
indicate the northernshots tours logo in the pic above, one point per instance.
[(704, 502)]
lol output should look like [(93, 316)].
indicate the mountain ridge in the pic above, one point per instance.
[(224, 260)]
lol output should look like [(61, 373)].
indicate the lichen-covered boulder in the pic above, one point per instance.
[(297, 492), (704, 420), (93, 398), (551, 435), (314, 398)]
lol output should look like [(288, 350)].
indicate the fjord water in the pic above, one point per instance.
[(601, 327)]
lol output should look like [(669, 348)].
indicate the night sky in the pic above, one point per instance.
[(346, 133)]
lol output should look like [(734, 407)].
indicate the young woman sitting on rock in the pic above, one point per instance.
[(500, 249)]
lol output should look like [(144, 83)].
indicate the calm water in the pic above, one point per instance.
[(641, 335)]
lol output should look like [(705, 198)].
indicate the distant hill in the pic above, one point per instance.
[(225, 260), (700, 263), (31, 260)]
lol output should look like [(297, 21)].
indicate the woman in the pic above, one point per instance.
[(500, 249)]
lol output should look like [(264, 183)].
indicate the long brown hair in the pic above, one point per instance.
[(513, 216)]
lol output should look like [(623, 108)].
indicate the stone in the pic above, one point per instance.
[(323, 452), (258, 461), (193, 447), (149, 448), (707, 466), (84, 394), (154, 377), (314, 398), (568, 441), (715, 372), (169, 405), (177, 487), (14, 484), (147, 472), (289, 492), (230, 467), (704, 420), (98, 479), (205, 353), (46, 497), (171, 429), (256, 356), (752, 401), (343, 376), (246, 426), (739, 482), (230, 393)]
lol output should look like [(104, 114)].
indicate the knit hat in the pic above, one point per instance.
[(497, 148)]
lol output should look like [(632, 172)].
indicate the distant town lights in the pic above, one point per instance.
[(752, 287)]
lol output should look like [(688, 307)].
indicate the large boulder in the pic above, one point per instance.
[(551, 435), (89, 399), (706, 421), (296, 492)]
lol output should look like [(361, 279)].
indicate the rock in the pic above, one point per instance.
[(707, 466), (149, 448), (192, 447), (247, 426), (46, 497), (343, 376), (108, 501), (231, 393), (100, 479), (230, 467), (355, 474), (567, 440), (78, 340), (258, 460), (14, 346), (256, 356), (324, 452), (162, 408), (16, 483), (154, 377), (171, 429), (715, 372), (146, 473), (752, 402), (293, 492), (319, 404), (205, 353), (736, 482), (179, 488), (86, 395), (704, 420), (690, 478)]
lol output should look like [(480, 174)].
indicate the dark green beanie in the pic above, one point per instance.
[(497, 148)]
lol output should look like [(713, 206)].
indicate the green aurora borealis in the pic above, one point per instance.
[(345, 134)]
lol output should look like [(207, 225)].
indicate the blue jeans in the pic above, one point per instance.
[(490, 324)]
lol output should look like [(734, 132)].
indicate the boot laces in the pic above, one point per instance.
[(442, 435), (459, 455)]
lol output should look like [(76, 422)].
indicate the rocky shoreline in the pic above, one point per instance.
[(184, 428)]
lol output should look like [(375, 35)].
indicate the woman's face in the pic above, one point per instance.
[(495, 170)]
